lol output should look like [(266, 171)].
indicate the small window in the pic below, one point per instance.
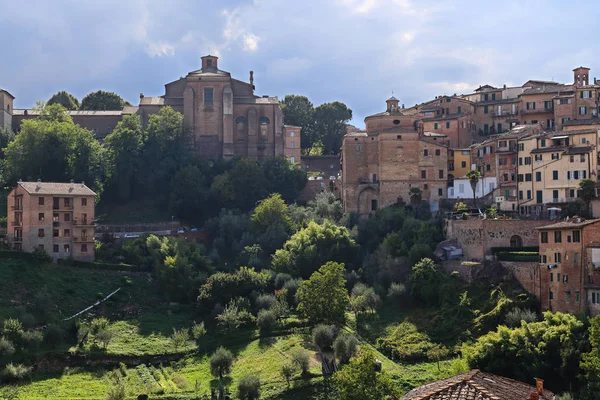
[(67, 217), (544, 237), (292, 160), (447, 125), (41, 233), (441, 174), (576, 236), (41, 217), (554, 175), (67, 248), (426, 152), (67, 233), (55, 233), (438, 152), (399, 137), (83, 202), (575, 258), (292, 134), (209, 63), (557, 237), (396, 122), (208, 96), (373, 205), (565, 278), (463, 164), (292, 145), (55, 248), (440, 192), (425, 187), (40, 201), (551, 276), (423, 174), (84, 248), (551, 295)]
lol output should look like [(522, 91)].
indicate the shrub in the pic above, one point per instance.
[(287, 371), (198, 330), (104, 337), (32, 339), (324, 336), (54, 335), (233, 317), (221, 362), (180, 337), (301, 358), (249, 387), (180, 381), (15, 372), (266, 301), (516, 315), (12, 329), (437, 353), (41, 256), (291, 287), (345, 346), (116, 390), (7, 348), (406, 343), (396, 291), (266, 320), (281, 278), (27, 320)]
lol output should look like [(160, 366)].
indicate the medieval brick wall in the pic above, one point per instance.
[(528, 274)]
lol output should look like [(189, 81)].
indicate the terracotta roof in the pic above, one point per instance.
[(475, 385), (574, 222), (57, 188), (588, 121), (72, 113), (445, 117), (579, 150), (548, 89)]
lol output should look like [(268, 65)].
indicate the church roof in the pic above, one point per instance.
[(393, 98), (152, 101), (476, 385), (7, 92)]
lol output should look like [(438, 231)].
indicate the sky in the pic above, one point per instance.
[(355, 51)]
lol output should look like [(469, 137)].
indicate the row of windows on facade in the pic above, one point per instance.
[(66, 201), (56, 217), (66, 233), (66, 248), (567, 296), (521, 147), (558, 260), (574, 238), (571, 175)]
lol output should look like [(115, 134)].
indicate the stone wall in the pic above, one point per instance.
[(478, 236), (315, 187), (528, 275)]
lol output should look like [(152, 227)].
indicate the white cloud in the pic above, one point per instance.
[(251, 42), (287, 68), (452, 87), (160, 49)]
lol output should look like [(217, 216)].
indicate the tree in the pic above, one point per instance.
[(6, 136), (180, 338), (190, 195), (588, 192), (65, 99), (284, 178), (324, 336), (326, 283), (345, 346), (221, 362), (287, 371), (416, 195), (360, 380), (249, 387), (438, 353), (299, 111), (425, 281), (101, 100), (124, 149), (331, 122), (313, 246), (269, 212), (301, 358), (266, 320), (590, 363), (52, 148), (242, 186), (473, 177)]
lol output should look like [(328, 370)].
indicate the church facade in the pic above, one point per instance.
[(223, 116)]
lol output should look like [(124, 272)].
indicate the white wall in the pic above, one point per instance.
[(462, 188)]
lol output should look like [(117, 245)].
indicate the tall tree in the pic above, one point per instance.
[(124, 144), (6, 136), (326, 283), (102, 100), (299, 111), (52, 148), (65, 99), (283, 178), (588, 192), (331, 122), (473, 177), (190, 195), (591, 360), (242, 186)]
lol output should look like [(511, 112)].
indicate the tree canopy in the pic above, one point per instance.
[(324, 297), (65, 99), (101, 100)]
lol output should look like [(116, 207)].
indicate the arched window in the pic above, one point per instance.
[(264, 125), (516, 242), (264, 121), (241, 122)]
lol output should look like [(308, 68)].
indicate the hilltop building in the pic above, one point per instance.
[(57, 218), (224, 116)]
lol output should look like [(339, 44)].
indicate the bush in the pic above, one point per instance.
[(249, 387), (104, 337), (406, 343), (324, 336), (287, 371), (291, 288), (12, 329), (7, 348), (32, 339), (345, 346), (301, 358), (266, 301), (180, 337), (41, 256), (396, 291), (15, 372), (198, 330), (516, 315), (116, 390), (233, 317), (266, 320), (221, 362), (281, 278)]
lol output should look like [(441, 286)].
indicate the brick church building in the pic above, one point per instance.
[(224, 116)]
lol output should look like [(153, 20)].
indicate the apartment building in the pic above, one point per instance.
[(570, 266), (55, 217)]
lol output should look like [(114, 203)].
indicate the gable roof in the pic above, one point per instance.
[(7, 92), (575, 222), (475, 385), (56, 188)]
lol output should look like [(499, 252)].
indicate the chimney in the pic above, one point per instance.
[(141, 95), (534, 396), (539, 384), (505, 86), (39, 180), (252, 78)]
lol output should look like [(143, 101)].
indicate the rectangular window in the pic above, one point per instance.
[(543, 143), (582, 110), (527, 160), (488, 167), (292, 160), (544, 259), (54, 232), (67, 248), (538, 176), (557, 237), (554, 175), (41, 217), (435, 125), (529, 195), (576, 236), (441, 172), (582, 158), (40, 201), (486, 128), (564, 120), (520, 195), (544, 237), (67, 233), (557, 259), (520, 178), (548, 104), (520, 160), (563, 101), (67, 203), (551, 276), (565, 278), (485, 109), (426, 152), (438, 152), (292, 145), (575, 258), (527, 177), (41, 233), (551, 295), (55, 248), (447, 125), (423, 174), (208, 96), (463, 164), (67, 217), (493, 96), (84, 200), (373, 208)]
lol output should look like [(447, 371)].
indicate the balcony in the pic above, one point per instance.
[(537, 111), (505, 114), (16, 208), (83, 239), (83, 222), (507, 149), (17, 223)]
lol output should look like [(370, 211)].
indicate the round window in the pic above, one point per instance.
[(396, 122)]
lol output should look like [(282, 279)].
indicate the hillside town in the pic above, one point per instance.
[(217, 243)]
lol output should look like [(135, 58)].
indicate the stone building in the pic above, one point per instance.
[(224, 116), (6, 109), (570, 266), (55, 217), (386, 163)]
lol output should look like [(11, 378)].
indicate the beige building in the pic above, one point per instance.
[(55, 217), (6, 109)]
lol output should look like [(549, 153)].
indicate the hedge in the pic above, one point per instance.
[(527, 256), (103, 266)]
